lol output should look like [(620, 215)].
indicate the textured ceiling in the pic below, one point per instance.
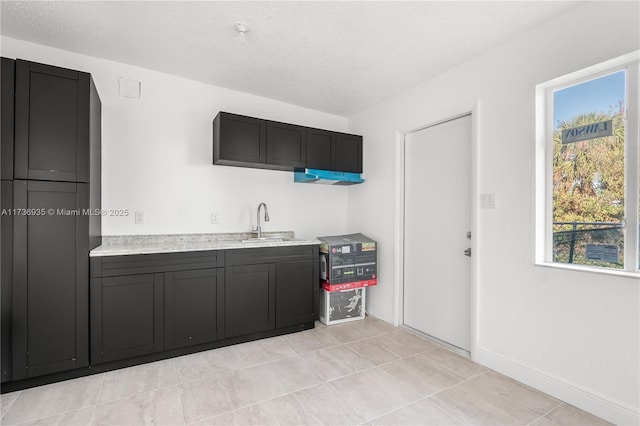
[(338, 57)]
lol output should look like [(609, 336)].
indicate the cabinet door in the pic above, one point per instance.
[(249, 299), (193, 307), (51, 123), (6, 110), (126, 317), (286, 145), (238, 139), (6, 269), (296, 292), (348, 153), (50, 294), (319, 149)]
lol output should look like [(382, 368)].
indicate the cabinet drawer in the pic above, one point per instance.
[(111, 266), (252, 256)]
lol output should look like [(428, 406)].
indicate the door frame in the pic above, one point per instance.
[(399, 221)]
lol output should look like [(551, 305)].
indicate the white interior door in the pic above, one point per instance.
[(437, 219)]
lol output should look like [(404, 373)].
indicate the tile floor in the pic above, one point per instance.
[(364, 372)]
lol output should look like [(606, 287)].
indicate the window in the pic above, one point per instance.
[(588, 168)]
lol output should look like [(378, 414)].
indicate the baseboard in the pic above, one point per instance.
[(598, 405)]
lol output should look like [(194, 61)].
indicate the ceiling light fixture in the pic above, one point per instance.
[(242, 27)]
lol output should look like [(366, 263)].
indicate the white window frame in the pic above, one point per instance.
[(544, 163)]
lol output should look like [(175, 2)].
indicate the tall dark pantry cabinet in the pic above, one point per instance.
[(51, 139)]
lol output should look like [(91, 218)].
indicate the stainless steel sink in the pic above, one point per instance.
[(264, 240)]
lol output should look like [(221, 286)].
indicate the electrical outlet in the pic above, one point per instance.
[(139, 218), (215, 218)]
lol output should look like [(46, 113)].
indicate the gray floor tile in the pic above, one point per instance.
[(7, 400), (202, 399), (141, 378), (412, 341), (378, 350), (423, 412), (205, 364), (542, 421), (56, 398), (477, 405), (253, 415), (267, 381), (566, 414), (462, 367), (327, 375), (262, 351), (334, 362), (374, 392), (311, 340), (534, 400), (419, 374), (319, 405), (81, 417), (359, 329), (161, 407)]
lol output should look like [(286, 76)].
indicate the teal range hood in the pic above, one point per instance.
[(326, 177)]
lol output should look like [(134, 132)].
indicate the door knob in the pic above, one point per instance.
[(467, 252)]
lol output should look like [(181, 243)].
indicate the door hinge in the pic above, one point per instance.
[(467, 252)]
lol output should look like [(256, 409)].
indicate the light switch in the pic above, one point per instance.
[(488, 200)]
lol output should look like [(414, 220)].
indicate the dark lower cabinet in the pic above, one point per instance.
[(249, 299), (126, 316), (296, 292), (50, 281), (193, 307)]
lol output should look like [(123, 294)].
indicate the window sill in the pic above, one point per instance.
[(591, 269)]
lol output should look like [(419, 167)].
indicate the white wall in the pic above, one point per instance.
[(570, 333), (157, 155)]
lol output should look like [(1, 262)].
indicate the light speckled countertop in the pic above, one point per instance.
[(121, 245)]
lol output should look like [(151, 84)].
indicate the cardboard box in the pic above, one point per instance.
[(347, 262), (342, 306)]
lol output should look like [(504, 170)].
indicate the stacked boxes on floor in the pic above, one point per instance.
[(347, 267)]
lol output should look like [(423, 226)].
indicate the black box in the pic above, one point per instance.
[(347, 262)]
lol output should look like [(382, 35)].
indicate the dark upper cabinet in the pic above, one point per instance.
[(249, 299), (6, 297), (347, 155), (7, 93), (296, 292), (126, 316), (50, 281), (57, 129), (239, 140), (320, 149), (193, 307), (252, 142), (286, 145), (334, 151)]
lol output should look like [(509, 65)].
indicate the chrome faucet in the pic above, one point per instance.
[(266, 218)]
